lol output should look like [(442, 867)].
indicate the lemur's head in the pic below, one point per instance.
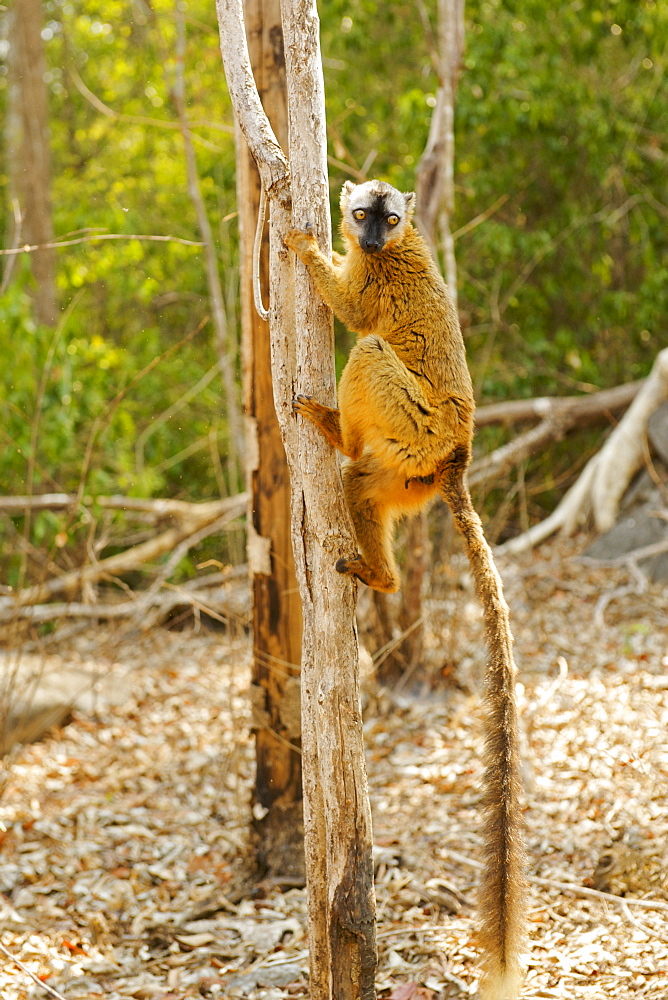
[(374, 214)]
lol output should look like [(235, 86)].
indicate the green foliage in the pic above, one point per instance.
[(74, 409), (573, 116), (561, 122), (119, 168), (380, 87), (560, 112)]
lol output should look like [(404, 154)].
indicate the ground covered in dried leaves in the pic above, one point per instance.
[(123, 855)]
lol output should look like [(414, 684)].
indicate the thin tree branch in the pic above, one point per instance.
[(119, 116), (32, 247), (480, 218), (106, 414), (15, 238)]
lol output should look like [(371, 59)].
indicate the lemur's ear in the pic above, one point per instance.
[(409, 198), (345, 192)]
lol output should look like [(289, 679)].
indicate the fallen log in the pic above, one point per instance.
[(582, 408)]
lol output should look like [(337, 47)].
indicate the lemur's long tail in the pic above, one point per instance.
[(502, 900)]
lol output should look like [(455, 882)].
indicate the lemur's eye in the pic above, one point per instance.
[(392, 220), (359, 214)]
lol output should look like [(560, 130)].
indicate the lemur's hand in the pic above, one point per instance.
[(302, 242)]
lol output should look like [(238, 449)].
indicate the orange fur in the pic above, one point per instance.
[(405, 395)]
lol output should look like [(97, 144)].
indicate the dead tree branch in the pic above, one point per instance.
[(582, 408), (207, 595), (599, 489), (192, 522), (157, 509), (558, 416)]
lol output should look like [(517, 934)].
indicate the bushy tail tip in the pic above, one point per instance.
[(502, 984)]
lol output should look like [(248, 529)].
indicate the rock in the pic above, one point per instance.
[(638, 525), (40, 692), (657, 432), (281, 975)]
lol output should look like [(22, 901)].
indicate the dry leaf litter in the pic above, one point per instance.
[(124, 859)]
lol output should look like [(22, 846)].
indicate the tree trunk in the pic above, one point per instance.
[(29, 158), (435, 181), (277, 621), (337, 817)]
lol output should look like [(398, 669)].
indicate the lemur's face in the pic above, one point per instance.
[(375, 213)]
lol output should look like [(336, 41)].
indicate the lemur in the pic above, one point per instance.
[(405, 425)]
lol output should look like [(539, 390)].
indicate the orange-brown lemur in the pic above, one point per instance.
[(405, 425)]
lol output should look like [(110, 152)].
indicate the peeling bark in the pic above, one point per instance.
[(29, 159)]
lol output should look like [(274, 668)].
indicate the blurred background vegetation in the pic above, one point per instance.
[(561, 127)]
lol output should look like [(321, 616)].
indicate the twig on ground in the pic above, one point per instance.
[(649, 931), (638, 587), (605, 897), (576, 890), (630, 558), (28, 972)]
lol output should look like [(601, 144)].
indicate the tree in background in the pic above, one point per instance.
[(28, 151), (277, 622), (225, 341), (129, 303)]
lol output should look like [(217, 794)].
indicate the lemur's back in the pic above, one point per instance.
[(403, 298)]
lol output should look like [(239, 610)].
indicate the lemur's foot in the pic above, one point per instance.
[(386, 582), (425, 480)]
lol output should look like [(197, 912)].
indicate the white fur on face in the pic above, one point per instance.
[(376, 198)]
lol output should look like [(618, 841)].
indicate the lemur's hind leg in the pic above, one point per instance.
[(373, 519)]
